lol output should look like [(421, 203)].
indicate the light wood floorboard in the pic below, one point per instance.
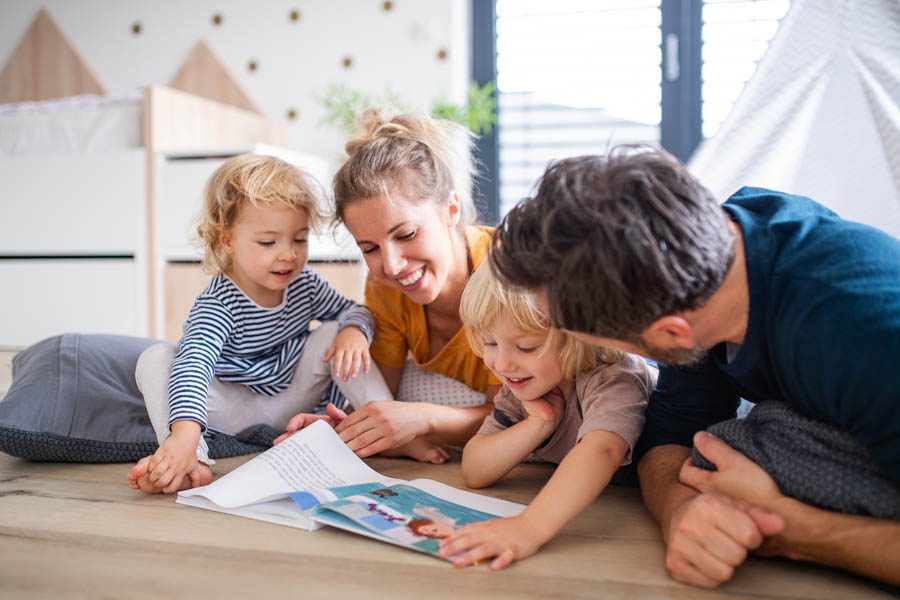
[(79, 531)]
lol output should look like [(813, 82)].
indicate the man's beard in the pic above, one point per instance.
[(681, 357)]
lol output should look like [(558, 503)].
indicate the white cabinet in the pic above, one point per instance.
[(72, 245), (45, 297)]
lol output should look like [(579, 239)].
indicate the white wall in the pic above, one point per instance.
[(396, 48)]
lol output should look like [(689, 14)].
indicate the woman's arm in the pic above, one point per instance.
[(380, 426), (579, 479)]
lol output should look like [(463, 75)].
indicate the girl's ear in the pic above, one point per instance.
[(226, 241), (454, 209)]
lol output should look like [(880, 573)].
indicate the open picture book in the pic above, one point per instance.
[(313, 479)]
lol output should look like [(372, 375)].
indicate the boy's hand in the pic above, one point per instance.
[(505, 540), (177, 458), (350, 351), (547, 408), (333, 416)]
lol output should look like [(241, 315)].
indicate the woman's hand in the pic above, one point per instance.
[(350, 351), (333, 415), (383, 425)]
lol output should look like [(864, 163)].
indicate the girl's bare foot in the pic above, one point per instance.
[(422, 450), (139, 477)]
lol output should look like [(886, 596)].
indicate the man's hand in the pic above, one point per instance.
[(711, 534), (737, 476)]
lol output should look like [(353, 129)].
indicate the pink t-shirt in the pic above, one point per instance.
[(608, 398)]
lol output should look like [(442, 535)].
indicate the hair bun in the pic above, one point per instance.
[(384, 122)]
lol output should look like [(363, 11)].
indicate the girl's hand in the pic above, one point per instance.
[(383, 425), (547, 408), (176, 458), (504, 540), (333, 416), (350, 351)]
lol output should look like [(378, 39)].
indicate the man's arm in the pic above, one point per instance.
[(862, 545), (707, 535)]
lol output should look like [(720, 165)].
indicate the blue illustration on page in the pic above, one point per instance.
[(398, 514)]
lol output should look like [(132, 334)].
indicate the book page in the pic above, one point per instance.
[(312, 458), (473, 500), (416, 515)]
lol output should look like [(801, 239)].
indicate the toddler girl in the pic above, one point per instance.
[(562, 401), (248, 355)]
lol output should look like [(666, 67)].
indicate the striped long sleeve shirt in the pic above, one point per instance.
[(230, 336)]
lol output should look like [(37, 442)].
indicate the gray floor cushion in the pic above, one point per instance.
[(73, 399)]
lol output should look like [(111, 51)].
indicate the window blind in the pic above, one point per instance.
[(573, 77)]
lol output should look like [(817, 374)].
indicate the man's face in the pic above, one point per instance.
[(671, 355)]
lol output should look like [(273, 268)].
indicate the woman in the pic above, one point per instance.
[(397, 195)]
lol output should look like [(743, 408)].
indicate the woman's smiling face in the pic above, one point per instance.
[(408, 245)]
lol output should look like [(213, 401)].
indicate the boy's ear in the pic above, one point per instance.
[(454, 208), (670, 331)]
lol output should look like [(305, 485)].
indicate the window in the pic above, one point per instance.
[(573, 77), (579, 76)]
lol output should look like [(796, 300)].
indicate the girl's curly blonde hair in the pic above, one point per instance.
[(259, 180)]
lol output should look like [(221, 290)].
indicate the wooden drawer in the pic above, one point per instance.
[(48, 297)]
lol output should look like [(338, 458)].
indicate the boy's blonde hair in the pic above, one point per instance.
[(485, 300), (423, 157), (259, 180)]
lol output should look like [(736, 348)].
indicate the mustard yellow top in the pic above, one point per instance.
[(400, 327)]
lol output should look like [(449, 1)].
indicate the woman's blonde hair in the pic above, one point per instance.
[(485, 300), (420, 156), (258, 180)]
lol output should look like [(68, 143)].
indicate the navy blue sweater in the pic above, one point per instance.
[(823, 332)]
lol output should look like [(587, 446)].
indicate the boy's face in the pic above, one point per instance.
[(520, 360), (268, 249), (410, 246)]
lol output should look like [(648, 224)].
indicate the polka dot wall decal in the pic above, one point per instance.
[(294, 15), (136, 28), (387, 6), (217, 19), (292, 114), (442, 54), (252, 66), (347, 62)]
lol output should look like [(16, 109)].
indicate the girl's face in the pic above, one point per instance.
[(411, 246), (268, 248), (520, 360)]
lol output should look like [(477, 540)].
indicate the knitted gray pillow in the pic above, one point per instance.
[(811, 461), (73, 399)]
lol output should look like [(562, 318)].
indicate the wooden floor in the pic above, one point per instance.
[(79, 531)]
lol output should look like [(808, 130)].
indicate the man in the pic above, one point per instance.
[(766, 297)]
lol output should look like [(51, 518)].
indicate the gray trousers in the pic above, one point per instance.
[(232, 407)]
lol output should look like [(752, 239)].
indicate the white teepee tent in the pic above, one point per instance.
[(821, 115)]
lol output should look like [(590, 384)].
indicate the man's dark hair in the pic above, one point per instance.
[(616, 241)]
